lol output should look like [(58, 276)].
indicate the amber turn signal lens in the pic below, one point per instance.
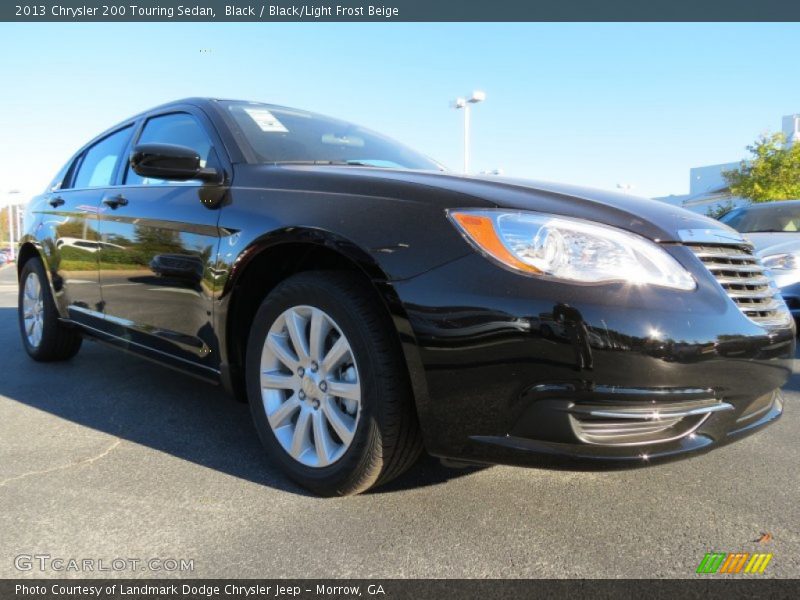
[(480, 230)]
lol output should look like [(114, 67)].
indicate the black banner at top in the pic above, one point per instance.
[(397, 10)]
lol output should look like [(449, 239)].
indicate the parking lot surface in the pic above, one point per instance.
[(108, 456)]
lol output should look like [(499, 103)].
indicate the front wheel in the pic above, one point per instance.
[(45, 337), (327, 387)]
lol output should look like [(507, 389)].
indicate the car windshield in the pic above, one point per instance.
[(772, 218), (285, 135)]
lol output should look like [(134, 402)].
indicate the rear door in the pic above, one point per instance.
[(74, 205), (159, 242)]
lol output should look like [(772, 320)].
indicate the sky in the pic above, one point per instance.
[(590, 104)]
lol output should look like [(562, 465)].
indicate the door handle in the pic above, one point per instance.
[(115, 202), (56, 202)]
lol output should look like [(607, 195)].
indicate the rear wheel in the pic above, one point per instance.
[(327, 387), (45, 338)]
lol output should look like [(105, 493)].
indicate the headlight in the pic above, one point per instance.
[(570, 249), (781, 262)]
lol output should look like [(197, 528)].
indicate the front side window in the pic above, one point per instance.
[(178, 129), (99, 162), (284, 135)]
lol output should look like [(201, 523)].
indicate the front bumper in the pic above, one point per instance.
[(499, 379)]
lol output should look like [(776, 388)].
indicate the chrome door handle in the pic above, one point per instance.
[(115, 202)]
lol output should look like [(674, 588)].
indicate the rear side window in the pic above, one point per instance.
[(178, 129), (99, 162), (61, 177)]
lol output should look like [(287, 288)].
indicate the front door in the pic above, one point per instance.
[(159, 244)]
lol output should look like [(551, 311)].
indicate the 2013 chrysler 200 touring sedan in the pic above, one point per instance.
[(369, 304)]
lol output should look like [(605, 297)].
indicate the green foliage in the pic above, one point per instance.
[(153, 240), (80, 229), (83, 260), (773, 172), (720, 210)]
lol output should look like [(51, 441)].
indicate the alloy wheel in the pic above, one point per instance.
[(310, 386), (33, 309)]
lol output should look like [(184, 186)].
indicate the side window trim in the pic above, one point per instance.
[(122, 163), (73, 170)]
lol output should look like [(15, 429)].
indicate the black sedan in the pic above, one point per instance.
[(369, 304)]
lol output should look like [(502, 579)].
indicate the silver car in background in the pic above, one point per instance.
[(774, 230)]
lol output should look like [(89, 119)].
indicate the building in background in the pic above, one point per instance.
[(707, 186)]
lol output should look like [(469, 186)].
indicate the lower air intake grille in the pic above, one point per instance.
[(640, 423), (743, 277)]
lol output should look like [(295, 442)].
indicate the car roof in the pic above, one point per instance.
[(771, 205), (209, 105)]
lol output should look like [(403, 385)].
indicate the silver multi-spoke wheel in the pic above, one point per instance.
[(33, 309), (310, 386)]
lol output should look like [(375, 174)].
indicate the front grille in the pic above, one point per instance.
[(744, 279)]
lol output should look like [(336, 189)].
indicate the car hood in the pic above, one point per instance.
[(769, 243), (650, 218)]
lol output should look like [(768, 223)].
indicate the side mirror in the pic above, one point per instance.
[(167, 161)]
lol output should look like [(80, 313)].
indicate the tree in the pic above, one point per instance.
[(4, 229), (773, 172)]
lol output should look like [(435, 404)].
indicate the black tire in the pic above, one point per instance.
[(387, 440), (58, 341)]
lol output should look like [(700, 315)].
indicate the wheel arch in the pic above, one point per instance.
[(26, 252), (272, 258), (30, 249)]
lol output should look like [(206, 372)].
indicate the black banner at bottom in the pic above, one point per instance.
[(392, 589)]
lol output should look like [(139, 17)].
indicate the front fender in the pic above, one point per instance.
[(39, 242)]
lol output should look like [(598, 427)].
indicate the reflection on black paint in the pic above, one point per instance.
[(576, 332)]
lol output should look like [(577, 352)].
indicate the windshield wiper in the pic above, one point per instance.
[(335, 163)]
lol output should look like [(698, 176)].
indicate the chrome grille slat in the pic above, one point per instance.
[(737, 294), (618, 428), (757, 305), (751, 268), (707, 254), (744, 279), (759, 280)]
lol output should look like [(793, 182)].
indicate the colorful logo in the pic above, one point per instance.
[(741, 562)]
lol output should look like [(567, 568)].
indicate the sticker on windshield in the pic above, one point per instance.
[(266, 120)]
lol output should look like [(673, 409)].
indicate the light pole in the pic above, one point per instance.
[(463, 103), (13, 249), (20, 212)]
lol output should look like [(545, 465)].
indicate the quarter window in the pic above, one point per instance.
[(99, 162), (179, 129)]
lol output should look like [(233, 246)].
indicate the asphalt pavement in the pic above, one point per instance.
[(111, 457)]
